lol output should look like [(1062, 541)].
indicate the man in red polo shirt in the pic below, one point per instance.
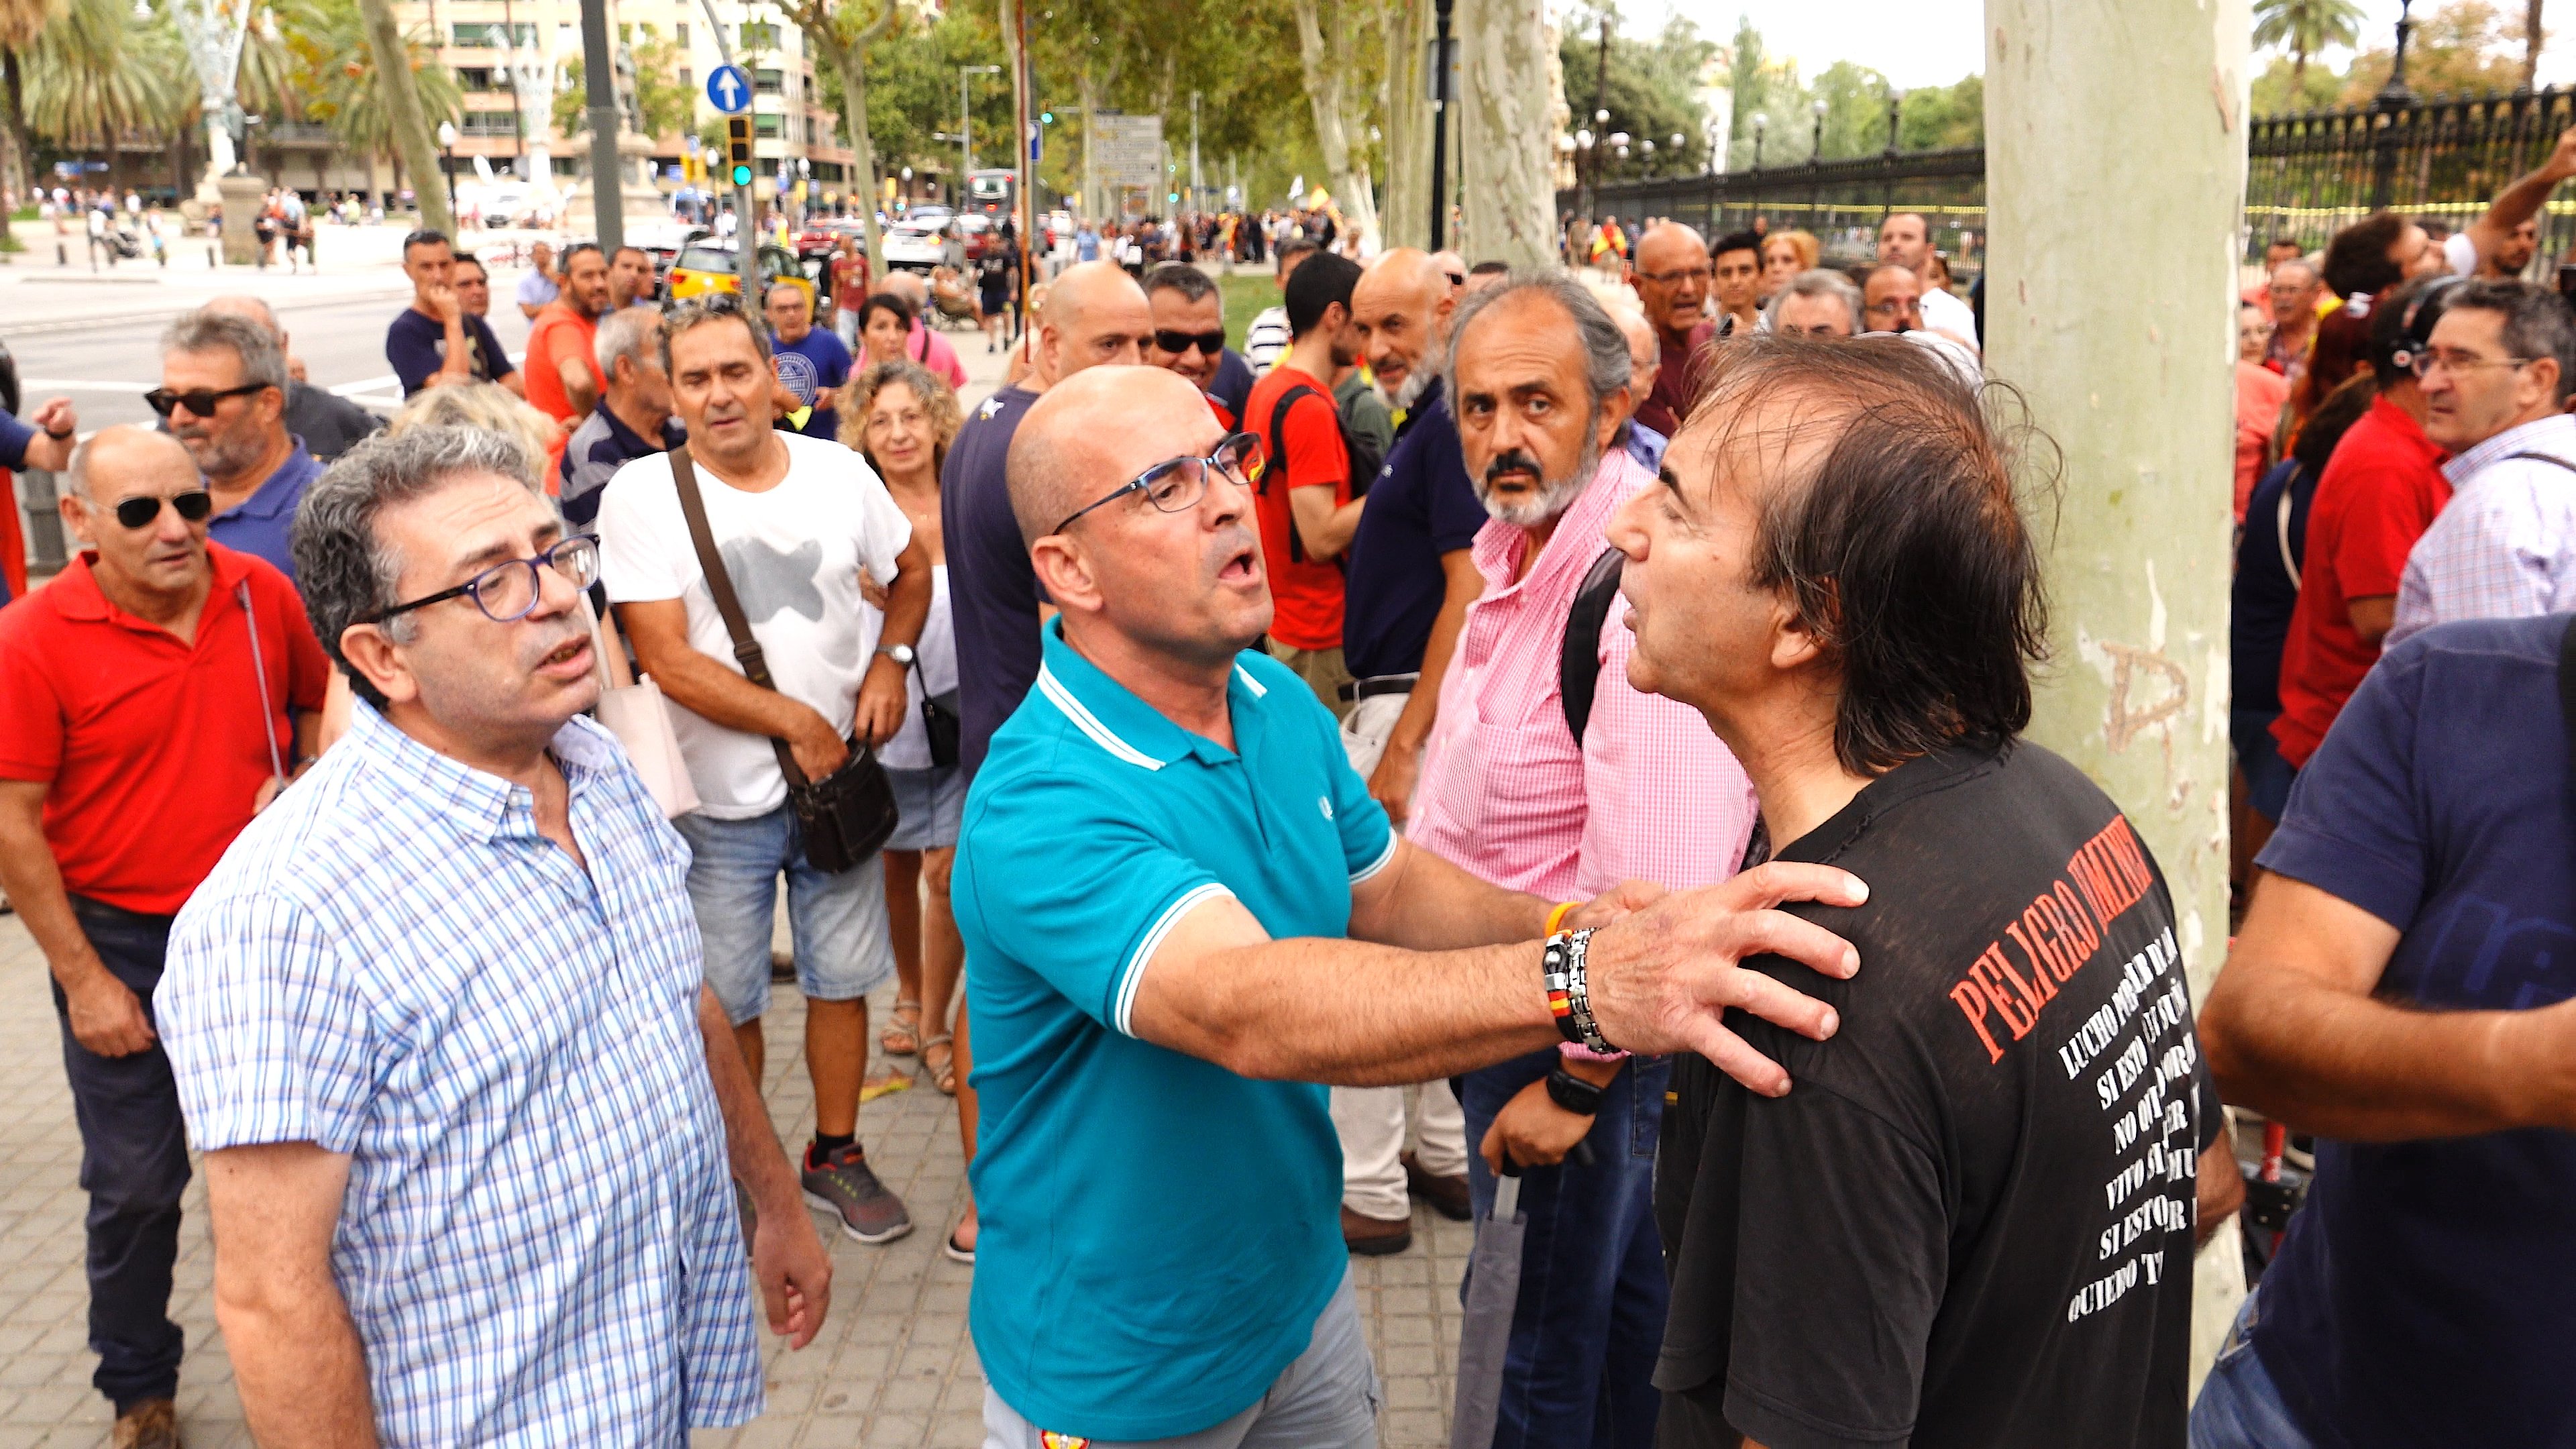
[(1308, 511), (563, 376), (2377, 495), (143, 720)]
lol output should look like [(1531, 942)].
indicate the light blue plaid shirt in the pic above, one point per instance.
[(539, 1243), (2504, 547)]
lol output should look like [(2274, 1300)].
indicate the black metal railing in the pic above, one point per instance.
[(2308, 175)]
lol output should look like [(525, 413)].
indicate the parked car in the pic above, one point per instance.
[(912, 246), (707, 265)]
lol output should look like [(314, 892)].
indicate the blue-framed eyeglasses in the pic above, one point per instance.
[(508, 592)]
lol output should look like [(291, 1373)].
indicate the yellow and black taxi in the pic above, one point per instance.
[(707, 265)]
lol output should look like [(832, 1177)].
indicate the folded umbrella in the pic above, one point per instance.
[(1485, 1332)]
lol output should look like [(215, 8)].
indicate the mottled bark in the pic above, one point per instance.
[(1506, 130)]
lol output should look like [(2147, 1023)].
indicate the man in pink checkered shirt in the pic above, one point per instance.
[(1509, 792)]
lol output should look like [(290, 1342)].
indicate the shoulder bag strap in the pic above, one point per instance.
[(2540, 458), (2281, 531), (1578, 668), (746, 650)]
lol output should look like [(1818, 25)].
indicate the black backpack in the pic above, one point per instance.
[(1578, 662), (1364, 456)]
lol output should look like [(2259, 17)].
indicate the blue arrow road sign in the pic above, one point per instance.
[(729, 89)]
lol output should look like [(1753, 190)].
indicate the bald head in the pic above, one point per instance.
[(1401, 307), (249, 309), (1453, 267), (1671, 274), (1069, 447), (1095, 316), (116, 456)]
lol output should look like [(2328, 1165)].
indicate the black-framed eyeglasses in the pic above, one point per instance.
[(508, 592), (1678, 274), (201, 401), (1175, 485), (138, 512), (1176, 342)]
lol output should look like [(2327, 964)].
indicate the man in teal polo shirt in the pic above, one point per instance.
[(1182, 911)]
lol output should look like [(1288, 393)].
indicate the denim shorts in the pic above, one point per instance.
[(838, 922), (930, 804)]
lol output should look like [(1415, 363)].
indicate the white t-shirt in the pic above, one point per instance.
[(910, 748), (794, 554), (2460, 254), (1944, 312), (1266, 338)]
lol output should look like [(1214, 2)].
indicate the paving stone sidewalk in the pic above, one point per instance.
[(893, 1367)]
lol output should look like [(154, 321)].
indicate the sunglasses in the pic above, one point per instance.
[(1210, 343), (200, 401), (193, 506)]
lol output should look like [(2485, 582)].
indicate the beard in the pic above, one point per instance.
[(220, 453), (1418, 379), (1555, 495)]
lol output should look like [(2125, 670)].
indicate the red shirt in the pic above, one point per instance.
[(1306, 596), (152, 748), (1676, 382), (559, 332), (2378, 494)]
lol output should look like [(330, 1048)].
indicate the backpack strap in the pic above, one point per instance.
[(1578, 664), (1295, 393), (2281, 527)]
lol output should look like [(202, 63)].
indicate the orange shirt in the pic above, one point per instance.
[(1306, 596), (559, 332)]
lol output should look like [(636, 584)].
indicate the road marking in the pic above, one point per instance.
[(50, 384), (372, 384)]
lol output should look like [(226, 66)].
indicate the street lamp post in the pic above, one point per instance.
[(447, 148), (966, 127), (2392, 98), (1760, 122), (1815, 167)]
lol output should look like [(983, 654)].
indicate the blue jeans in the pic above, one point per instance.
[(134, 1166), (1590, 1321), (2239, 1405), (844, 949)]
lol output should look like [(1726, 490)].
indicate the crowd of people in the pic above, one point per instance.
[(1492, 725)]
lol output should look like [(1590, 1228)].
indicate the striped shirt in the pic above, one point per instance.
[(1506, 792), (2505, 547), (539, 1243)]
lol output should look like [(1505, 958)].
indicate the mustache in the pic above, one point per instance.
[(1513, 460)]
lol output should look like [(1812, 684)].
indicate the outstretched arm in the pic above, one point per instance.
[(2522, 200)]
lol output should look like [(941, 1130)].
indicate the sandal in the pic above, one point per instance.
[(884, 1084), (944, 1074), (956, 1251), (902, 1036)]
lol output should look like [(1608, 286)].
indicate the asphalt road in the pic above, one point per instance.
[(105, 369)]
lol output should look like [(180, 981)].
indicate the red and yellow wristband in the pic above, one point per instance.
[(1556, 918)]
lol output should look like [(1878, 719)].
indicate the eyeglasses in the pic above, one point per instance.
[(1175, 485), (200, 401), (138, 512), (1666, 279), (2423, 363), (508, 592), (1210, 343), (1893, 307)]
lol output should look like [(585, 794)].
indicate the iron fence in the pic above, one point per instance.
[(2308, 175)]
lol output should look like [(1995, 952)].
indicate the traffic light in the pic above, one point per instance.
[(1046, 118), (738, 148)]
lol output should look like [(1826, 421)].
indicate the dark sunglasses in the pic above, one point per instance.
[(193, 506), (1210, 343), (201, 401)]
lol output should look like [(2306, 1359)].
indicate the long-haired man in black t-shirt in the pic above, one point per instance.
[(1969, 1218)]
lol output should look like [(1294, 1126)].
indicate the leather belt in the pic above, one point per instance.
[(1375, 685)]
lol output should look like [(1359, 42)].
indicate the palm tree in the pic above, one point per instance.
[(2306, 27), (20, 23), (327, 44), (94, 74)]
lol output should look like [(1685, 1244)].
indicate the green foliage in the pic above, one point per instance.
[(2467, 47), (337, 75), (2304, 27), (912, 90), (1650, 89), (1940, 117), (1855, 100), (2283, 88), (664, 106), (94, 72)]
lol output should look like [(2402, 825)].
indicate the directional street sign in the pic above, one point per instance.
[(729, 89)]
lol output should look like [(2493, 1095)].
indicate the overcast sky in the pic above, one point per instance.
[(1934, 42)]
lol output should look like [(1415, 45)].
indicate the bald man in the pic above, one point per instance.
[(1183, 910), (1094, 316), (329, 425), (1672, 275), (1905, 240)]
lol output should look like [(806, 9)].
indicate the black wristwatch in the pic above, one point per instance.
[(1571, 1092)]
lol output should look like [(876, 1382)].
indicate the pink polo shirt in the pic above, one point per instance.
[(1506, 793)]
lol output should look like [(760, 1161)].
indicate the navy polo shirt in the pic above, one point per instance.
[(261, 524), (1159, 1234), (992, 591), (1420, 507), (1232, 384)]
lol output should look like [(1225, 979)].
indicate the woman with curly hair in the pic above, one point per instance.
[(901, 417)]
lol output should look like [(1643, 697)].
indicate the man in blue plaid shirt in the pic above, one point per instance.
[(469, 1117)]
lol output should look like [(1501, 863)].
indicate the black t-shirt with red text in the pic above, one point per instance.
[(1970, 1220)]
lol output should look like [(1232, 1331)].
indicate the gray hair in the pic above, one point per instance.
[(242, 304), (347, 573), (701, 310), (1819, 282), (628, 332), (1193, 284), (1606, 365), (76, 471), (262, 360)]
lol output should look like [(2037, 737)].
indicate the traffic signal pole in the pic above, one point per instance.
[(746, 231), (607, 185)]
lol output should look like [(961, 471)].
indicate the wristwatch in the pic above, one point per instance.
[(899, 653), (1571, 1092)]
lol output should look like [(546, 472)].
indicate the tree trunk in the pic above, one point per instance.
[(2531, 41), (1324, 103), (1090, 178), (413, 144), (19, 177), (1405, 218), (1506, 126), (2298, 74), (863, 151)]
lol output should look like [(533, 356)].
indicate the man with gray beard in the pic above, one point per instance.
[(1546, 772)]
